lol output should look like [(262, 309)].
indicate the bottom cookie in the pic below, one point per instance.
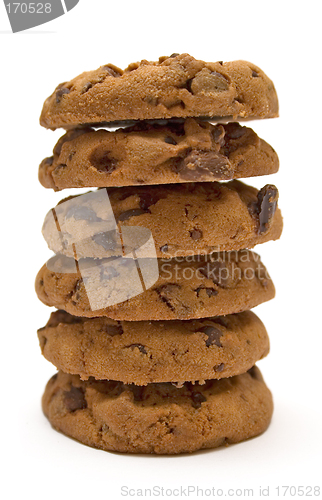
[(158, 418)]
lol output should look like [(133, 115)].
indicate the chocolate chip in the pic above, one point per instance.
[(78, 285), (175, 54), (176, 127), (176, 102), (112, 330), (110, 387), (187, 85), (148, 199), (75, 399), (267, 203), (151, 99), (265, 207), (198, 163), (139, 346), (167, 294), (197, 399), (86, 87), (217, 272), (211, 292), (219, 368), (60, 92), (254, 74), (103, 161), (164, 248), (59, 167), (234, 130), (62, 317), (77, 288), (112, 70), (196, 234), (131, 213), (213, 334), (106, 240), (49, 161), (169, 140), (209, 82), (218, 134), (219, 81), (80, 212)]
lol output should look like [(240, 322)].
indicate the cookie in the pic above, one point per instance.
[(144, 352), (159, 418), (152, 154), (184, 219), (186, 288), (176, 86)]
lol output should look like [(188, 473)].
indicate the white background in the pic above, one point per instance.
[(282, 37)]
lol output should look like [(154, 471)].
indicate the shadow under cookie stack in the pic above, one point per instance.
[(167, 364)]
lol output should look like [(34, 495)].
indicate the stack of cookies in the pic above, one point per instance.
[(153, 338)]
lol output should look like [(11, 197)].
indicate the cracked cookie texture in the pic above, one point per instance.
[(158, 418), (144, 352), (186, 288), (184, 219), (176, 152), (175, 86)]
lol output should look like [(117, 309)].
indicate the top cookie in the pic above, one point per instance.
[(175, 86)]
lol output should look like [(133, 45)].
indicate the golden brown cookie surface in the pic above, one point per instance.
[(150, 154), (195, 287), (159, 418), (184, 219), (178, 86), (144, 352)]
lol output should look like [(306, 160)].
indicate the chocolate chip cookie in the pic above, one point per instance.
[(144, 352), (184, 219), (185, 288), (175, 86), (152, 154), (159, 418)]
